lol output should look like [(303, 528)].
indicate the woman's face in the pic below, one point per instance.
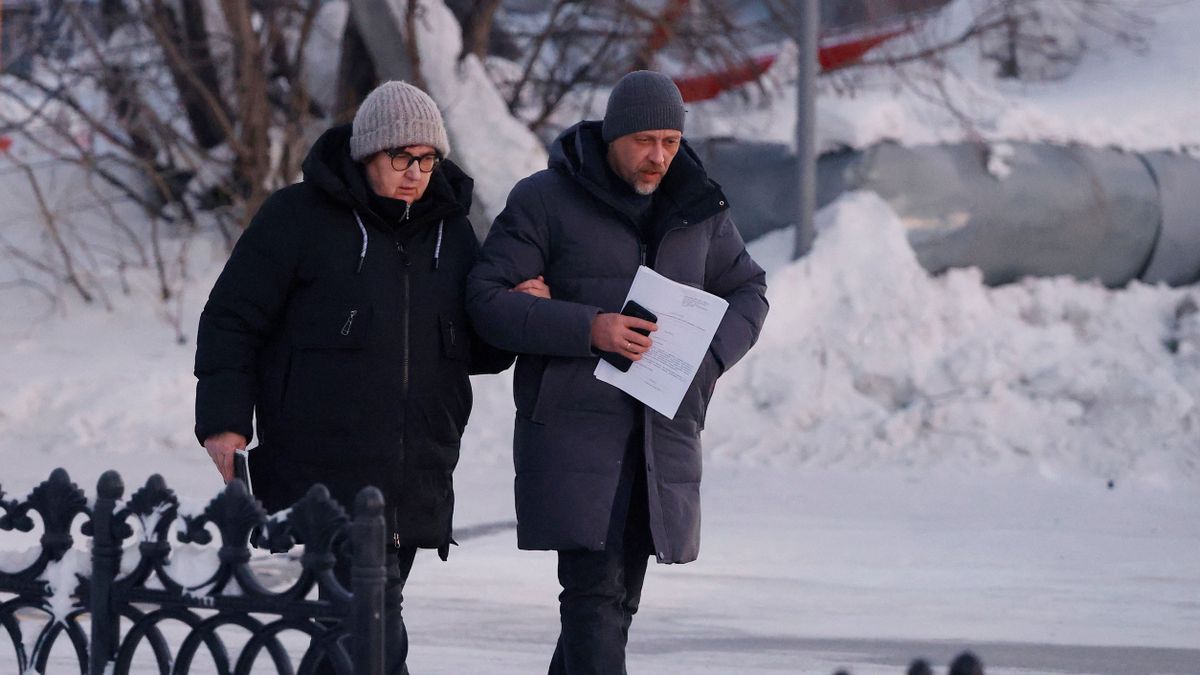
[(408, 185)]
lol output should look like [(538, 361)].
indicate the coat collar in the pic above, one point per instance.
[(581, 153)]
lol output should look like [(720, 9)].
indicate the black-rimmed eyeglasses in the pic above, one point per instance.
[(401, 160)]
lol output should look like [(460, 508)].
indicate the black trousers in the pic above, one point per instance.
[(395, 637), (602, 589)]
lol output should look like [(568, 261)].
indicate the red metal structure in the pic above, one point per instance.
[(831, 57), (850, 29)]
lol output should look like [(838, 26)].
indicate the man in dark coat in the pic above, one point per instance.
[(339, 322), (600, 477)]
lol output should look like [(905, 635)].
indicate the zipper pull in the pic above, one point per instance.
[(403, 253), (642, 254), (407, 207), (349, 321), (396, 539), (451, 333)]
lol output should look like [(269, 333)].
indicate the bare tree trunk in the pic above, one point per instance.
[(376, 23), (201, 95), (206, 129), (477, 28), (193, 71)]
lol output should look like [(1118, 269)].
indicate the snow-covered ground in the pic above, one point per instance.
[(806, 571), (905, 465)]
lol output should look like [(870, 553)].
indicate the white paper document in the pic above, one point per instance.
[(687, 320)]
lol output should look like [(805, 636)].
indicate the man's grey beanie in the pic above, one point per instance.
[(396, 115), (642, 100)]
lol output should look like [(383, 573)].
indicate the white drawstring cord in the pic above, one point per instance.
[(437, 251), (363, 255)]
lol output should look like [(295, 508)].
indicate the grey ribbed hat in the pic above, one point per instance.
[(642, 100), (395, 115)]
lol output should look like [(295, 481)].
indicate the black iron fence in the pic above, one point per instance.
[(110, 599), (106, 602)]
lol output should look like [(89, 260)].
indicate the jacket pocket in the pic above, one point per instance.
[(699, 395), (551, 389), (456, 341), (328, 371)]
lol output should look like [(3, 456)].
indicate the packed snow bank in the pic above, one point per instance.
[(1116, 96), (867, 360)]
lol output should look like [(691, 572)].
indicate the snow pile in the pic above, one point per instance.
[(1116, 96), (866, 359)]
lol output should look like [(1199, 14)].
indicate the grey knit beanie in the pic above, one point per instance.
[(396, 115), (642, 100)]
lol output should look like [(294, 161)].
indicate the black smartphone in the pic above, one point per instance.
[(635, 310), (241, 468)]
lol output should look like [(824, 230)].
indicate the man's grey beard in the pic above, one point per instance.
[(644, 190)]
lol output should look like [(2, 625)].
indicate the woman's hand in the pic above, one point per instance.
[(221, 448), (535, 287)]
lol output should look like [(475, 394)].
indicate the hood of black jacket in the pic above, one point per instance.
[(329, 168), (581, 153)]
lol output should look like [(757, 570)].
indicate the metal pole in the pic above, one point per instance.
[(809, 17)]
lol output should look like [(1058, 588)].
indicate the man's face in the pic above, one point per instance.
[(407, 185), (642, 158)]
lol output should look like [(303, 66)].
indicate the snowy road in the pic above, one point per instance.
[(805, 572)]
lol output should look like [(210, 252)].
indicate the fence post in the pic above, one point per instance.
[(106, 561), (368, 576)]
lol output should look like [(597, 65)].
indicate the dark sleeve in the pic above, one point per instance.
[(485, 358), (243, 307), (732, 274), (517, 248)]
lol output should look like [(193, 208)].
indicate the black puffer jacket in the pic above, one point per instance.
[(571, 429), (350, 344)]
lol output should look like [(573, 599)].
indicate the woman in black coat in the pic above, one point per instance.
[(339, 324)]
